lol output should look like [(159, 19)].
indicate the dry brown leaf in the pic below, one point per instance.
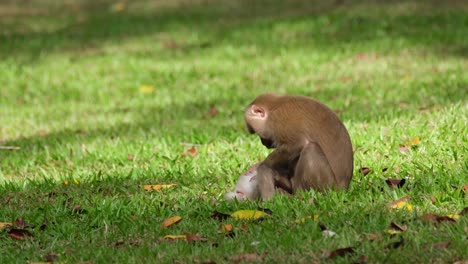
[(51, 257), (391, 183), (171, 44), (130, 157), (364, 171), (436, 218), (338, 252), (20, 223), (404, 149), (157, 187), (398, 227), (190, 152), (213, 111), (195, 237), (219, 216), (372, 237), (19, 234), (249, 257), (444, 244), (171, 221), (465, 188), (362, 259)]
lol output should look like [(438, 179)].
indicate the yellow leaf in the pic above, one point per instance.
[(118, 7), (65, 182), (5, 225), (176, 237), (453, 216), (393, 232), (157, 187), (302, 220), (413, 142), (76, 181), (171, 221), (248, 215), (146, 89), (402, 203)]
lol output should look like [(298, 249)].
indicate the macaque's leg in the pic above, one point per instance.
[(282, 182), (266, 181), (313, 170)]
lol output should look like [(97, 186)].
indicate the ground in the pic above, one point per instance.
[(100, 98)]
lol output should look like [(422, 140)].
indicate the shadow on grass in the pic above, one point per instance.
[(270, 25), (439, 27)]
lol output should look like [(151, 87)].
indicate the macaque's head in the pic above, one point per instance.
[(256, 117)]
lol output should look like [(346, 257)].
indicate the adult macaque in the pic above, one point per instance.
[(312, 146)]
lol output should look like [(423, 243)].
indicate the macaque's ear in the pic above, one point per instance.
[(258, 112)]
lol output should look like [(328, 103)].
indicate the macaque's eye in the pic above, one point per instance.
[(239, 192)]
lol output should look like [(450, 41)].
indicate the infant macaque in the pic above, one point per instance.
[(246, 187)]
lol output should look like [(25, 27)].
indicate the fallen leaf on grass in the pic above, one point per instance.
[(10, 147), (175, 237), (118, 7), (372, 237), (303, 219), (362, 259), (454, 216), (20, 223), (391, 183), (195, 237), (171, 44), (338, 252), (219, 216), (249, 215), (465, 188), (146, 89), (190, 152), (445, 244), (401, 203), (130, 157), (249, 257), (157, 187), (404, 149), (226, 228), (410, 143), (51, 257), (436, 218), (213, 111), (171, 221), (364, 171), (4, 225), (19, 234), (398, 227)]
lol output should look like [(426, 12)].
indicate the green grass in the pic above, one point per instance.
[(70, 99)]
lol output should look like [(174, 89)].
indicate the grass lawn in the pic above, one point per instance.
[(99, 98)]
